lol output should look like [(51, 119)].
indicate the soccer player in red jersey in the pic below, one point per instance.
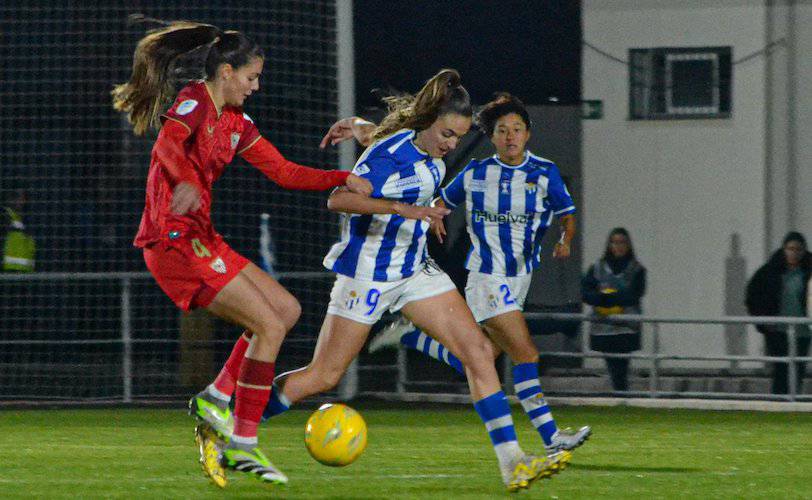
[(199, 135)]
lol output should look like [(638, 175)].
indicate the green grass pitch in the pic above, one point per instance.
[(433, 452)]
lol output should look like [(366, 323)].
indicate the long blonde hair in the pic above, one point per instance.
[(181, 50), (442, 94)]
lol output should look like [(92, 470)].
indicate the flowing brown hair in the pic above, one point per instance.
[(442, 94), (166, 56)]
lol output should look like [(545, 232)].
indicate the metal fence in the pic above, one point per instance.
[(113, 336)]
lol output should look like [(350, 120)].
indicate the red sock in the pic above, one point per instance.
[(252, 394), (227, 378)]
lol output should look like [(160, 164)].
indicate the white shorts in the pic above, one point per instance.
[(489, 295), (366, 301)]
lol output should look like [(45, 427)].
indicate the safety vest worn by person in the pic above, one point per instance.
[(19, 247)]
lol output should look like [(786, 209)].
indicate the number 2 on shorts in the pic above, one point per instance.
[(372, 300), (506, 297)]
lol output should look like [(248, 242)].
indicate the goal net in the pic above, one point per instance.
[(89, 323)]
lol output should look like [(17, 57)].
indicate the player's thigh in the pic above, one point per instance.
[(340, 341), (447, 319), (287, 307), (509, 331), (242, 302)]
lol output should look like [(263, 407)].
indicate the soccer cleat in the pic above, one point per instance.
[(210, 445), (390, 335), (220, 420), (530, 467), (252, 462), (567, 439)]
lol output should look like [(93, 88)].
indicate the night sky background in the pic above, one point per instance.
[(530, 49)]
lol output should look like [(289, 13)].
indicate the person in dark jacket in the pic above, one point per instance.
[(615, 285), (780, 288)]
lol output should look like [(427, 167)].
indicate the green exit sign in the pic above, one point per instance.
[(592, 109)]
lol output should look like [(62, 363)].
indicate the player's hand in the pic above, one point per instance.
[(438, 229), (339, 132), (358, 185), (561, 251), (185, 198), (427, 214)]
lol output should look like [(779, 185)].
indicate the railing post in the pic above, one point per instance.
[(654, 376), (793, 353), (126, 342), (400, 385)]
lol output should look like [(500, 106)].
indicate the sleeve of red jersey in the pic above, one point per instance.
[(170, 152), (265, 157), (189, 107)]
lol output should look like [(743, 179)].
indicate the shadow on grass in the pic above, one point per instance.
[(626, 468)]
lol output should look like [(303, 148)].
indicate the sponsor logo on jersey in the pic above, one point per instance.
[(411, 181), (361, 169), (235, 139), (505, 218), (210, 129), (186, 107), (218, 265), (504, 185)]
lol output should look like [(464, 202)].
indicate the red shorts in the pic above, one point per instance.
[(192, 271)]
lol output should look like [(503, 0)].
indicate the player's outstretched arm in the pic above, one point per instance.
[(289, 175), (342, 200), (348, 128)]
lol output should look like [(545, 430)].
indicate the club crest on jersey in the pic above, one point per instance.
[(504, 186), (218, 265), (492, 301), (352, 299), (530, 187), (235, 139), (186, 107)]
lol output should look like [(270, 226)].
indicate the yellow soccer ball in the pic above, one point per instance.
[(335, 435)]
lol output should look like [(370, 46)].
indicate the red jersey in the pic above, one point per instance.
[(211, 145)]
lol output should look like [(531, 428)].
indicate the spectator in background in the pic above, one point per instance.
[(19, 246), (615, 285), (781, 288)]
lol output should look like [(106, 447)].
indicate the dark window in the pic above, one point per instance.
[(670, 83)]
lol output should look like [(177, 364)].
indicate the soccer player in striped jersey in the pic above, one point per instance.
[(510, 200), (382, 264), (200, 134)]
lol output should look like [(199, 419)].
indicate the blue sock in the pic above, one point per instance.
[(528, 390), (494, 411), (419, 341), (277, 404)]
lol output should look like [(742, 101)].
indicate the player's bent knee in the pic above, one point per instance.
[(270, 328), (291, 313)]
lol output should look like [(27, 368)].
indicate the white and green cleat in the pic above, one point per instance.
[(220, 420), (252, 462)]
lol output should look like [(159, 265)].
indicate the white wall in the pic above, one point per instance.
[(683, 187)]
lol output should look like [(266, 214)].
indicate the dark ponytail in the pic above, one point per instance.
[(179, 51)]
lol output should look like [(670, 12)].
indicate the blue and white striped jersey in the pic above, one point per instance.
[(388, 247), (508, 208)]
